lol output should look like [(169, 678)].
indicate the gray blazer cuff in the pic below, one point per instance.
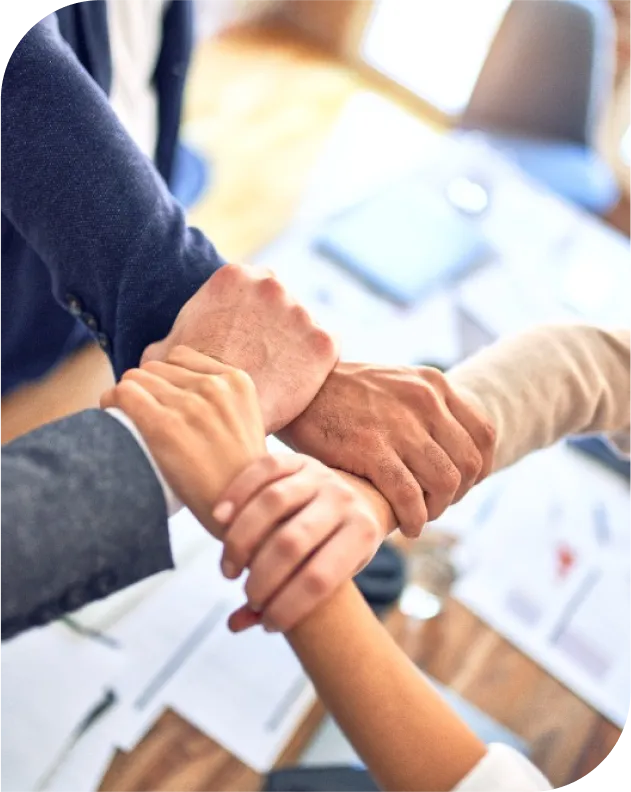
[(83, 515)]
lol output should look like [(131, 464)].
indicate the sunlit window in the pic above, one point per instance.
[(435, 48)]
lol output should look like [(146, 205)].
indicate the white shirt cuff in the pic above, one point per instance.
[(173, 503), (503, 768)]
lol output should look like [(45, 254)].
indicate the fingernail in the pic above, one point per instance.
[(230, 569), (223, 511), (269, 626)]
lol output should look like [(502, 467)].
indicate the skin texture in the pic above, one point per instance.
[(202, 421), (407, 735), (402, 429), (200, 418), (243, 317), (301, 529), (405, 430), (383, 703)]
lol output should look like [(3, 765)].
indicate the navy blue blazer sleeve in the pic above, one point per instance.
[(83, 515), (90, 204)]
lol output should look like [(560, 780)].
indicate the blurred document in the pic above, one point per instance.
[(549, 570), (51, 680), (247, 692)]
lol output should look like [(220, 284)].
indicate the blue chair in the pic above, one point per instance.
[(541, 92), (191, 176)]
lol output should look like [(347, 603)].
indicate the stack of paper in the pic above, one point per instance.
[(547, 565), (170, 650)]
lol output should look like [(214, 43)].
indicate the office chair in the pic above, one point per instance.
[(191, 176), (541, 92)]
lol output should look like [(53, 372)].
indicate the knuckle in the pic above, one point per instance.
[(451, 480), (274, 498), (369, 530), (323, 344), (125, 389), (488, 435), (317, 582), (207, 387), (433, 376), (427, 396), (289, 545), (178, 353), (241, 382), (472, 464), (228, 273), (346, 497), (409, 495), (270, 288), (300, 314), (193, 407), (128, 376)]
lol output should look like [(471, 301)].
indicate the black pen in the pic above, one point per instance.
[(95, 714)]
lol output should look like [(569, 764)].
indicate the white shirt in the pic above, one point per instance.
[(173, 503), (504, 769), (135, 34)]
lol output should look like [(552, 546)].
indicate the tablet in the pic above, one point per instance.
[(404, 242)]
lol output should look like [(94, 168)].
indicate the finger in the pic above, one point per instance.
[(139, 405), (457, 443), (190, 359), (391, 477), (478, 427), (107, 398), (263, 513), (288, 548), (315, 582), (259, 474), (180, 377), (164, 392), (242, 619), (436, 474)]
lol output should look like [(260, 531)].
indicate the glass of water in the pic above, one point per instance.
[(431, 575)]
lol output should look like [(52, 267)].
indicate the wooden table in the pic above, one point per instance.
[(301, 91)]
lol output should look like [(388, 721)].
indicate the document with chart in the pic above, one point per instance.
[(548, 568)]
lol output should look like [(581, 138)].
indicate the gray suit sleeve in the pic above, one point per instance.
[(83, 515)]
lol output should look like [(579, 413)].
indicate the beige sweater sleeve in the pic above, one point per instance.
[(547, 383)]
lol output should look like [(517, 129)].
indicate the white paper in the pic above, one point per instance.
[(247, 692), (51, 680), (549, 570), (88, 761)]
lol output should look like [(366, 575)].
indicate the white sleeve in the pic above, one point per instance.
[(173, 503), (504, 769)]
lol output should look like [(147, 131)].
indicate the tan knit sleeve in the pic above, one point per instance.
[(547, 383)]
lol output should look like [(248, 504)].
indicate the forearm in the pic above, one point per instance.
[(90, 204), (83, 515), (404, 731), (547, 383)]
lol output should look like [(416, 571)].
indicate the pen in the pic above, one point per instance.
[(93, 715)]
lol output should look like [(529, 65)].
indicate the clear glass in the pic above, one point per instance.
[(431, 575)]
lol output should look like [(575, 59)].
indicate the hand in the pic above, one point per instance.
[(201, 421), (244, 317), (404, 429), (301, 530)]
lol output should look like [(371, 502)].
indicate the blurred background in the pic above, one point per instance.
[(425, 177)]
